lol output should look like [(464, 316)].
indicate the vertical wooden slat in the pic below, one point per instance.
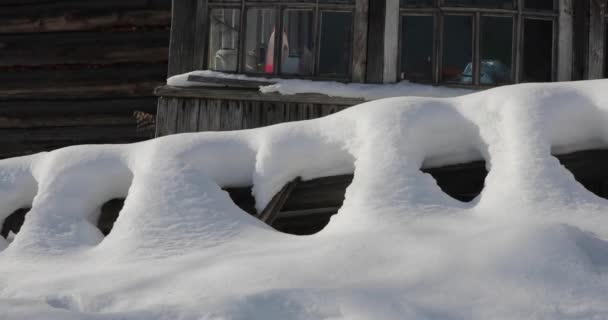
[(360, 40), (596, 39), (161, 117), (188, 36), (188, 114)]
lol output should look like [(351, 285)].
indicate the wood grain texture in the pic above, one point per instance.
[(84, 48), (252, 95), (74, 72)]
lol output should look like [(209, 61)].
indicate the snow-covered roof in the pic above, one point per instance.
[(533, 245)]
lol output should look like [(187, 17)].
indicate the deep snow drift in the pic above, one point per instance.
[(532, 246)]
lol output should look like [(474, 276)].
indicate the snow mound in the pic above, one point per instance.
[(532, 245), (330, 88)]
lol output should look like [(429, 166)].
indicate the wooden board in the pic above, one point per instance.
[(84, 48), (82, 20)]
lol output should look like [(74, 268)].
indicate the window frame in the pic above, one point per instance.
[(280, 7), (438, 9)]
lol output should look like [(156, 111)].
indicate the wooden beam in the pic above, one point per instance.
[(565, 40), (231, 83), (83, 20), (597, 29), (360, 41), (188, 35), (252, 95), (270, 213), (86, 48)]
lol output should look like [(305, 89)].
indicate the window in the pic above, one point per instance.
[(223, 39), (417, 48), (457, 63), (501, 4), (474, 42), (496, 50), (298, 39), (334, 53), (538, 50), (260, 41), (416, 3), (311, 38), (540, 4)]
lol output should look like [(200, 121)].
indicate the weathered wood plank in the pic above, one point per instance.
[(231, 83), (83, 20), (597, 40), (187, 116), (74, 83), (65, 135), (84, 48), (270, 213), (252, 95), (360, 40), (54, 108), (161, 117), (181, 47), (65, 121)]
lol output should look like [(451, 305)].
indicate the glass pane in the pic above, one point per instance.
[(335, 51), (417, 48), (223, 39), (297, 58), (457, 49), (538, 50), (540, 4), (504, 4), (496, 50), (416, 3), (260, 40)]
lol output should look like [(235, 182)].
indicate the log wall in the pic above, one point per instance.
[(74, 72)]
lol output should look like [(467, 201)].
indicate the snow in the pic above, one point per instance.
[(533, 245), (366, 92)]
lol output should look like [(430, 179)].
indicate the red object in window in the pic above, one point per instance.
[(269, 67)]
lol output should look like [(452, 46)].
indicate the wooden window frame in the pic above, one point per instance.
[(518, 14), (280, 7)]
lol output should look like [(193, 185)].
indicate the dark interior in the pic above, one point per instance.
[(310, 204)]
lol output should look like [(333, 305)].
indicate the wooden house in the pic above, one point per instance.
[(464, 43), (467, 43)]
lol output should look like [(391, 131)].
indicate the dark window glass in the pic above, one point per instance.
[(538, 50), (457, 49), (260, 40), (505, 4), (496, 50), (223, 39), (298, 33), (540, 4), (335, 50), (417, 48), (416, 3)]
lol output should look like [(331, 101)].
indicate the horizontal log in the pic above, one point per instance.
[(55, 108), (232, 83), (252, 95), (37, 5), (84, 20), (70, 135), (66, 121), (84, 48), (109, 81)]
